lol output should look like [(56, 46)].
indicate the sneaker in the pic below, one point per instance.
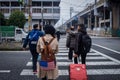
[(70, 60), (35, 71)]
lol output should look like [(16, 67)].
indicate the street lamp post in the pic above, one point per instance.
[(95, 14), (105, 5), (42, 15), (10, 6), (30, 14), (71, 9)]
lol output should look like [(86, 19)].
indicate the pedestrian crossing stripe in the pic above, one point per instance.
[(62, 46), (87, 63), (5, 71), (88, 57), (27, 72), (89, 72), (66, 54), (95, 72)]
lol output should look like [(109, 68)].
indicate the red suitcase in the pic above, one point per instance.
[(78, 72)]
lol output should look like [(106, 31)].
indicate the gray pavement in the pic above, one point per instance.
[(101, 63)]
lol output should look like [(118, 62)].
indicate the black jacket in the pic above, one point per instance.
[(79, 49)]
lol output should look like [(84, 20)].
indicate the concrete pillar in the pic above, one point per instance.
[(81, 20), (88, 22), (100, 22), (116, 20), (9, 6), (110, 21)]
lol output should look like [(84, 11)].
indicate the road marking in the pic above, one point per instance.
[(27, 72), (4, 71), (87, 63), (15, 52), (113, 59), (88, 57), (66, 54), (95, 72), (89, 72), (107, 48)]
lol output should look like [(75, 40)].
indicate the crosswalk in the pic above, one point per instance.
[(97, 64)]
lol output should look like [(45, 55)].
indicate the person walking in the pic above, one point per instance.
[(53, 44), (58, 35), (83, 44), (70, 43), (32, 39)]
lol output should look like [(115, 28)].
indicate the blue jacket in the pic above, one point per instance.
[(27, 40)]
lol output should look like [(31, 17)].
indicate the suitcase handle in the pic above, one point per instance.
[(78, 60)]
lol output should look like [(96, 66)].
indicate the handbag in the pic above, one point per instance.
[(47, 65)]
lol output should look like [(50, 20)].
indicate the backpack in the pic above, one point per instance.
[(87, 42), (48, 53)]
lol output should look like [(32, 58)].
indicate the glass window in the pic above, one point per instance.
[(5, 4), (18, 32), (56, 10), (36, 10), (56, 3), (47, 10), (5, 10), (36, 3), (15, 10), (47, 3), (15, 4)]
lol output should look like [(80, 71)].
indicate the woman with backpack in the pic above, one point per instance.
[(50, 42), (83, 44)]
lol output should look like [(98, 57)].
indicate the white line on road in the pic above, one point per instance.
[(89, 72), (95, 72), (66, 54), (4, 71), (113, 59), (87, 63), (27, 72), (88, 57), (107, 48)]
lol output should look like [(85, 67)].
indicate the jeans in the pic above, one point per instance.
[(83, 58), (34, 58), (70, 54)]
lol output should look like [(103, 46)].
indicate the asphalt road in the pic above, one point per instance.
[(103, 62)]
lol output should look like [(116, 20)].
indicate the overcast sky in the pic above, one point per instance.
[(78, 6)]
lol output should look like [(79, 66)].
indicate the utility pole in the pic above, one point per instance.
[(71, 9), (10, 7), (42, 15), (89, 16), (95, 13), (105, 5), (30, 14)]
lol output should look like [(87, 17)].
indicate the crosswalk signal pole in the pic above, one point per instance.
[(30, 14)]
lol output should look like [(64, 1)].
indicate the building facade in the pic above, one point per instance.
[(45, 11)]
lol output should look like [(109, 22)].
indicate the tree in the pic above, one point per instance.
[(17, 18), (2, 19)]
